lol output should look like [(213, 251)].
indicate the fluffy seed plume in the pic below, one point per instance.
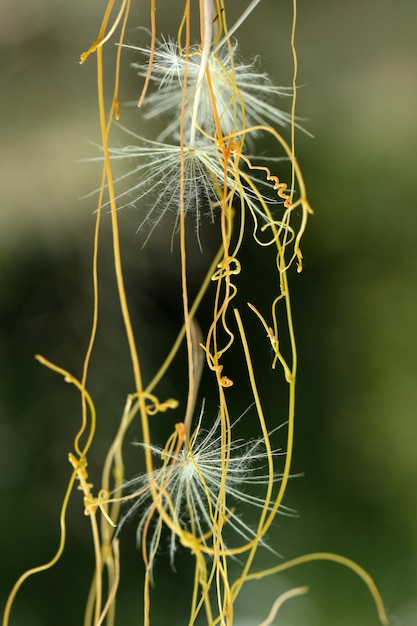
[(234, 93), (189, 485)]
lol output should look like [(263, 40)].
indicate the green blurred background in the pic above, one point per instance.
[(355, 307)]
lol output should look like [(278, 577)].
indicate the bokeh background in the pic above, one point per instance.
[(355, 307)]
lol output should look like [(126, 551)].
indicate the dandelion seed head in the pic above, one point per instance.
[(239, 94), (163, 178), (189, 485)]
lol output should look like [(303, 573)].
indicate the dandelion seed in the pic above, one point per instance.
[(155, 180), (157, 177), (190, 482), (239, 94)]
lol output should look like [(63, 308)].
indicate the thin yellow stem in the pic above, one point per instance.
[(48, 564), (287, 595), (335, 558)]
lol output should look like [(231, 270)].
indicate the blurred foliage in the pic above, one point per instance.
[(355, 307)]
